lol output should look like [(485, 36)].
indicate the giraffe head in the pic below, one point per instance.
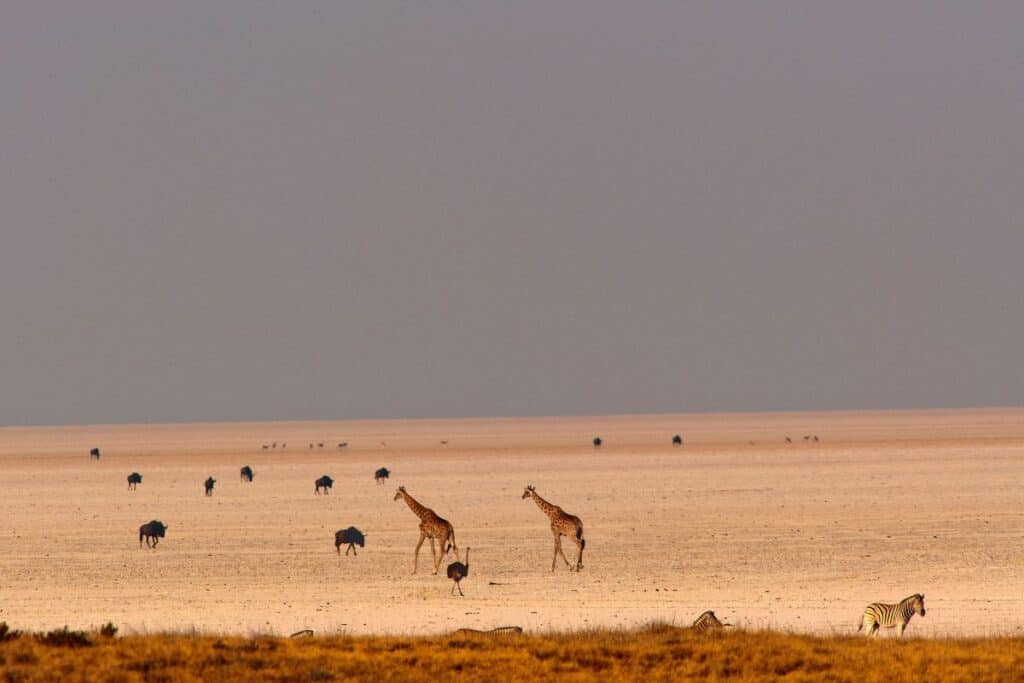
[(399, 492), (527, 491)]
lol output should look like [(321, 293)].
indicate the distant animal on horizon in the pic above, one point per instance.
[(815, 438), (352, 536), (562, 524), (789, 440), (134, 479), (707, 622), (807, 437), (94, 454), (597, 442), (153, 531), (310, 445), (884, 614), (324, 483), (320, 445), (380, 475), (677, 440), (245, 474), (208, 484), (275, 444), (444, 442), (343, 444), (432, 526), (265, 446), (457, 572)]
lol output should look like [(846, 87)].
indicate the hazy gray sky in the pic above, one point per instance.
[(267, 210)]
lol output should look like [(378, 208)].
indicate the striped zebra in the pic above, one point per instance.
[(882, 614), (707, 622)]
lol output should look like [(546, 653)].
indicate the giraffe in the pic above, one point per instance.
[(562, 524), (431, 526)]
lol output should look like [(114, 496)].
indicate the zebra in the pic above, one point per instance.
[(707, 622), (883, 614)]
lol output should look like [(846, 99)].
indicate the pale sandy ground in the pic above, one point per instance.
[(795, 536)]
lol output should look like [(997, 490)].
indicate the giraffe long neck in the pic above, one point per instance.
[(545, 507), (417, 509)]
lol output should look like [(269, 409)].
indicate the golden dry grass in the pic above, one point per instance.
[(653, 653)]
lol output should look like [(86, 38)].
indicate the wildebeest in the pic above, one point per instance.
[(324, 483), (352, 536), (343, 444), (210, 481), (134, 479), (380, 475), (597, 442), (245, 474), (152, 531), (94, 454), (677, 440)]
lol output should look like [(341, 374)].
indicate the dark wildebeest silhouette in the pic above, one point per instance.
[(94, 454), (152, 531), (677, 440), (210, 481), (597, 442), (245, 474), (343, 444), (324, 483), (352, 536), (380, 475), (457, 572), (134, 479)]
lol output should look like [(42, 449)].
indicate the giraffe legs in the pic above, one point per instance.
[(579, 556), (433, 554), (416, 556), (559, 551)]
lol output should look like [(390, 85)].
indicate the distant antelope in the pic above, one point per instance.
[(789, 440), (134, 479), (324, 483), (152, 531), (597, 442), (352, 536), (888, 615), (431, 526), (815, 438), (457, 572), (265, 446), (94, 454), (245, 474), (208, 484), (562, 524), (380, 475), (677, 440), (343, 444)]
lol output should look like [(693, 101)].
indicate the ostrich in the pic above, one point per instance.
[(597, 442), (152, 531), (94, 454), (245, 474), (324, 483), (210, 481), (352, 536), (134, 479), (677, 440), (457, 572), (380, 475)]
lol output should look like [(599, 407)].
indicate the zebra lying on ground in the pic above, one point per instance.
[(883, 614), (708, 622)]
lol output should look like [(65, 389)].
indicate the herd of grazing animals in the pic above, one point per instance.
[(439, 530)]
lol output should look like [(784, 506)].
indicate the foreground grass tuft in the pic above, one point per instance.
[(659, 653)]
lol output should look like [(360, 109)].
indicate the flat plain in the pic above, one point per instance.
[(769, 534)]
